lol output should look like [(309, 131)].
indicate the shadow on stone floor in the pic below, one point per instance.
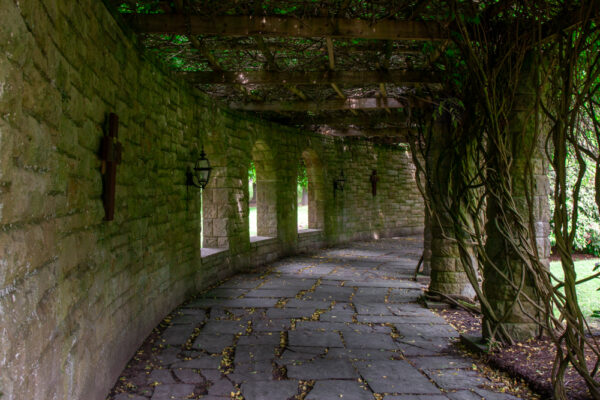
[(342, 323)]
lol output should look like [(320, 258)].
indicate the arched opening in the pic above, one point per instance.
[(302, 192), (311, 192), (262, 195), (252, 200)]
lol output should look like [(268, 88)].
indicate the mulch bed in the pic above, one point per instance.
[(532, 360), (576, 256)]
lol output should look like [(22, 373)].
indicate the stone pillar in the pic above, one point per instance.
[(447, 273), (523, 136)]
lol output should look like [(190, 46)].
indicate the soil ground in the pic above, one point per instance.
[(531, 361)]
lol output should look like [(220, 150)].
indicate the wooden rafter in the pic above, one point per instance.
[(214, 64), (327, 105), (288, 26), (386, 63), (331, 58), (228, 43), (272, 65), (405, 78), (363, 120), (402, 134)]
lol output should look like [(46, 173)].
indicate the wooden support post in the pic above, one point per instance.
[(331, 57), (386, 62)]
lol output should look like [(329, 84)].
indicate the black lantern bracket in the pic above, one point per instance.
[(200, 174)]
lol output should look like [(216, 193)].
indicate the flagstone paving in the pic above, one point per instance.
[(343, 323)]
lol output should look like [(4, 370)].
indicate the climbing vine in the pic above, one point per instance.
[(528, 101)]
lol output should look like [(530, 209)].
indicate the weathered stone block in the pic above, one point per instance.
[(445, 264), (444, 248)]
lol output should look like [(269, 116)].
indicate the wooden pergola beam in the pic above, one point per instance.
[(571, 20), (311, 78), (361, 47), (272, 65), (363, 120), (402, 134), (331, 59), (327, 105), (288, 26)]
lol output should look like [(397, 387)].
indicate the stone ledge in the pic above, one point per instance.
[(309, 232), (206, 252), (256, 239), (259, 241)]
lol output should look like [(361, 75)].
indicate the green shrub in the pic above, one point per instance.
[(587, 232)]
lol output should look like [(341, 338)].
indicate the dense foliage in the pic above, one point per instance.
[(587, 234), (251, 180), (518, 98)]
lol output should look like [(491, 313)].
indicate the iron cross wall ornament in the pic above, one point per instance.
[(374, 180), (110, 154)]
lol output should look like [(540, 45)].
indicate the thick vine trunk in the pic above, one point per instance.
[(527, 171)]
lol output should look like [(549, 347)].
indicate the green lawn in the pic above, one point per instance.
[(302, 219), (587, 293)]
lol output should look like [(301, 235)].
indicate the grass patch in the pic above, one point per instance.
[(587, 293)]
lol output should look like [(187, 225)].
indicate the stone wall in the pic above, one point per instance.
[(78, 294)]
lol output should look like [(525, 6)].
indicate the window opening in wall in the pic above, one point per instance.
[(302, 185), (311, 215), (262, 193), (253, 201)]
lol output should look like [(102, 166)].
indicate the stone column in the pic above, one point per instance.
[(523, 137), (447, 273)]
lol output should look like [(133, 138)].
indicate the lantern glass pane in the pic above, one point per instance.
[(203, 175), (202, 163)]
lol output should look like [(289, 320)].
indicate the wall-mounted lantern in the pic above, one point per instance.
[(339, 182), (200, 175)]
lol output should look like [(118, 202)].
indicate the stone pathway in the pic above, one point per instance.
[(342, 324)]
